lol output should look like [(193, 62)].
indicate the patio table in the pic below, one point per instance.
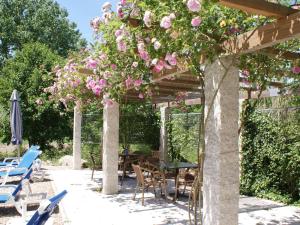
[(127, 158), (176, 166)]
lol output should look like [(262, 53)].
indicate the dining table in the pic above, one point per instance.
[(176, 166)]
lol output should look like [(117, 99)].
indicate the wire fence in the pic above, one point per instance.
[(183, 136)]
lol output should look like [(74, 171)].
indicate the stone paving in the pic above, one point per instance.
[(84, 204)]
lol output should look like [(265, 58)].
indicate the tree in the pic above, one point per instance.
[(24, 21), (29, 73)]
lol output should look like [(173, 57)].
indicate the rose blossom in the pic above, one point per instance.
[(135, 64), (121, 45), (141, 96), (113, 66), (138, 83), (97, 90), (147, 18), (196, 21), (144, 55), (159, 66), (193, 5), (171, 59), (128, 82), (123, 2), (91, 64), (296, 69), (166, 22), (157, 45), (118, 32), (95, 23)]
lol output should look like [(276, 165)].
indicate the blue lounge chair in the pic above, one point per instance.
[(13, 192), (25, 164), (13, 161), (46, 209)]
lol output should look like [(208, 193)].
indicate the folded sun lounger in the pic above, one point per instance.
[(22, 168)]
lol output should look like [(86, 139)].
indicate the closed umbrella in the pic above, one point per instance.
[(16, 121)]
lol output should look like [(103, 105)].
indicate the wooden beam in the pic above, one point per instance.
[(273, 52), (265, 36), (260, 7)]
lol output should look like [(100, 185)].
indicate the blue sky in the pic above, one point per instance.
[(82, 12)]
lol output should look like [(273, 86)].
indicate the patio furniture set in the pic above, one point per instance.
[(29, 168), (152, 173)]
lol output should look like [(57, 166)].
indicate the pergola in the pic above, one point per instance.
[(221, 164)]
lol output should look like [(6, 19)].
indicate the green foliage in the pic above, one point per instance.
[(24, 21), (183, 135), (139, 125), (271, 152), (28, 72)]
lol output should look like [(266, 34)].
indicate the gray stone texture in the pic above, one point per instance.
[(110, 148), (221, 164), (77, 138)]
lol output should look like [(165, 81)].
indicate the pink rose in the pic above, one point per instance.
[(141, 96), (102, 82), (157, 45), (196, 21), (147, 18), (296, 69), (123, 2), (95, 23), (171, 59), (91, 64), (144, 55), (246, 73), (97, 90), (194, 5), (128, 82), (121, 45), (166, 22), (113, 66), (118, 32), (138, 83), (159, 66)]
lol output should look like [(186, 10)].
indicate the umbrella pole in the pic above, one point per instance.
[(19, 149)]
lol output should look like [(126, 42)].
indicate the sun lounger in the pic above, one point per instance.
[(22, 168)]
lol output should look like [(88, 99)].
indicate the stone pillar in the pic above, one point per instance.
[(163, 148), (221, 164), (110, 148), (77, 138)]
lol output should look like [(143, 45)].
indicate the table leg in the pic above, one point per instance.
[(176, 188)]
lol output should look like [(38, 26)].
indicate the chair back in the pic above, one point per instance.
[(20, 185), (155, 154), (46, 209), (139, 174), (29, 157)]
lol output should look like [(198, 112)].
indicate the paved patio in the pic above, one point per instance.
[(84, 203)]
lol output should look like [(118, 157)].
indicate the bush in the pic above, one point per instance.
[(270, 164)]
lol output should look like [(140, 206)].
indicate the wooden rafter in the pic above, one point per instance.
[(281, 54), (259, 7), (265, 36)]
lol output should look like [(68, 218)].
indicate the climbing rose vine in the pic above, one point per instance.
[(144, 39)]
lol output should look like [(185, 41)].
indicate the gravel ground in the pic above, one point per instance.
[(8, 212)]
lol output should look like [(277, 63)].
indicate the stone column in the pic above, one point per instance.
[(77, 138), (221, 164), (110, 149), (163, 148)]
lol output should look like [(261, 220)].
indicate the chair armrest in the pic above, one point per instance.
[(10, 159), (7, 187)]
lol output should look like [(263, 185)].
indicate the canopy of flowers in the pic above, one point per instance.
[(153, 36)]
